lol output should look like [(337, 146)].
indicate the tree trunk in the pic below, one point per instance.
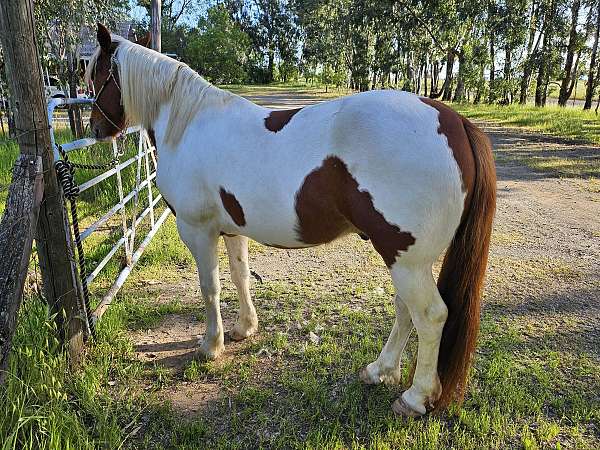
[(492, 93), (564, 93), (270, 64), (447, 95), (74, 111), (156, 24), (531, 54), (507, 74), (539, 85), (459, 94), (527, 70), (435, 80), (425, 72), (543, 78), (408, 81), (591, 81), (574, 76)]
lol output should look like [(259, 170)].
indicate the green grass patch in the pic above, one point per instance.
[(553, 120), (565, 167)]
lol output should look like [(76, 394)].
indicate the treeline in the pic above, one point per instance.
[(495, 51)]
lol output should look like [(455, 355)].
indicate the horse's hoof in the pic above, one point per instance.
[(402, 408), (206, 354), (365, 376), (238, 333)]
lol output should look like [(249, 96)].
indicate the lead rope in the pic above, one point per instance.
[(65, 172)]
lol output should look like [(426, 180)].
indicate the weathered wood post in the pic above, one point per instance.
[(52, 237), (155, 18)]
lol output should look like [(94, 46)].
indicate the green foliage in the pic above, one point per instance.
[(218, 49), (59, 24), (492, 52)]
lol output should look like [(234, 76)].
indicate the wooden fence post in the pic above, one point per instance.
[(54, 248), (16, 236), (156, 20)]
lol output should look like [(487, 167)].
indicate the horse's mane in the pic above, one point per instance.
[(149, 79)]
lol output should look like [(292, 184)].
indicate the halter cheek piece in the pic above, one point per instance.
[(111, 77)]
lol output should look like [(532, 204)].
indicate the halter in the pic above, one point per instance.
[(114, 65)]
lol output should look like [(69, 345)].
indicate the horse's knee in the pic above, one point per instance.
[(240, 275), (210, 290)]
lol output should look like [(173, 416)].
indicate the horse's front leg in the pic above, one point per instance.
[(247, 322), (203, 242)]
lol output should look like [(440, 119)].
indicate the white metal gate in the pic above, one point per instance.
[(145, 175)]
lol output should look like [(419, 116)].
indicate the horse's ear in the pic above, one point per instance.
[(145, 40), (104, 38)]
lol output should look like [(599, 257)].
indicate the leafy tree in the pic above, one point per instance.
[(174, 33), (219, 47)]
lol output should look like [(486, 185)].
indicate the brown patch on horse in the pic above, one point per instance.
[(233, 207), (108, 100), (278, 119), (451, 126), (330, 203)]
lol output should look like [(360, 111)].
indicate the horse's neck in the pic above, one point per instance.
[(213, 99)]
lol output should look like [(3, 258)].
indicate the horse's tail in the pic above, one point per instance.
[(461, 278)]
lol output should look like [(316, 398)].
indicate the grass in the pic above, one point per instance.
[(285, 391), (565, 167), (564, 122)]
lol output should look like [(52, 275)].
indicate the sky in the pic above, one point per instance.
[(138, 13)]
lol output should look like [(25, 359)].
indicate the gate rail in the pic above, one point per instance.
[(143, 182)]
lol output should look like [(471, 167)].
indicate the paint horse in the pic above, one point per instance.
[(405, 171)]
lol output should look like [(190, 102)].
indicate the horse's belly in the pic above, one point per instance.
[(274, 233)]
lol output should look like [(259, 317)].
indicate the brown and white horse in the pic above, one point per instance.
[(405, 171)]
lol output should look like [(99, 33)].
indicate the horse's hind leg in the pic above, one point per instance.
[(247, 322), (203, 245), (387, 366), (417, 288)]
